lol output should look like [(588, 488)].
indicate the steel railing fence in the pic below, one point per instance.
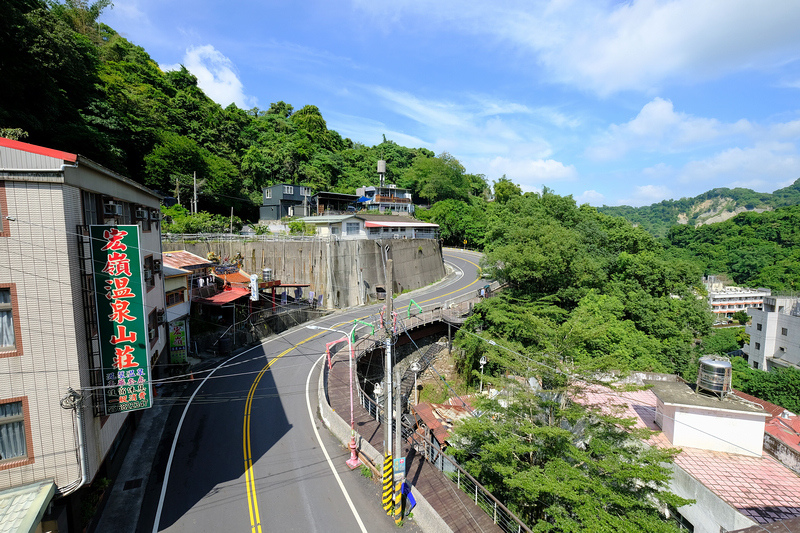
[(429, 448)]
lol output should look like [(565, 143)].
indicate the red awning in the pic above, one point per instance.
[(224, 297)]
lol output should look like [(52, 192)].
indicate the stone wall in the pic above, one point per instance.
[(346, 272)]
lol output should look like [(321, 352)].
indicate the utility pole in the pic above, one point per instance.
[(388, 471), (194, 202)]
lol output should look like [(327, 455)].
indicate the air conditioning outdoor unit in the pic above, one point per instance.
[(112, 209), (148, 274), (161, 317), (155, 214), (142, 214), (157, 269)]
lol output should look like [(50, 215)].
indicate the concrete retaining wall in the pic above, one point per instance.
[(346, 272)]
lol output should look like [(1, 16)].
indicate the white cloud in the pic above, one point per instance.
[(764, 163), (608, 47), (659, 128), (646, 195), (216, 75), (591, 197), (532, 172)]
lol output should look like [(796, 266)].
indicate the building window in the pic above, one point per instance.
[(176, 297), (755, 365), (758, 327), (152, 327), (9, 321), (288, 189), (267, 194), (305, 191), (149, 272), (16, 446), (352, 228), (758, 346), (784, 331), (334, 230)]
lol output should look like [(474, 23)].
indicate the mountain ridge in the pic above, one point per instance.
[(716, 205)]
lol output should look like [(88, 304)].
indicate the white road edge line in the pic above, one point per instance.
[(322, 447), (178, 433)]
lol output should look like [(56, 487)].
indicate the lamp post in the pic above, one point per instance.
[(482, 362), (416, 368), (354, 461)]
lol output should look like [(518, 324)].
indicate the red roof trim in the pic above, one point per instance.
[(41, 150)]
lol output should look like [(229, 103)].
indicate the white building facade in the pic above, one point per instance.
[(774, 334), (54, 426)]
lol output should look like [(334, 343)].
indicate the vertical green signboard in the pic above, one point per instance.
[(121, 317), (177, 342)]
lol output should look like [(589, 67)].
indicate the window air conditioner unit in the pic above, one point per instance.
[(151, 334), (161, 320), (155, 214), (112, 209), (142, 214), (157, 266)]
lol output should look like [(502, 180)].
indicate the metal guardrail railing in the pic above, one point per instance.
[(433, 454), (430, 450)]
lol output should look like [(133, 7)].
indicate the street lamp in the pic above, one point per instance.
[(416, 368), (483, 362), (354, 461)]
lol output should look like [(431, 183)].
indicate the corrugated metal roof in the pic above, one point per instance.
[(224, 297), (39, 150), (184, 259), (22, 508)]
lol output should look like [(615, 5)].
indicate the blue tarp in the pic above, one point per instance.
[(363, 199)]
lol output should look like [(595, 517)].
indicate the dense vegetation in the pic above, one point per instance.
[(752, 249), (588, 293), (659, 218), (75, 85)]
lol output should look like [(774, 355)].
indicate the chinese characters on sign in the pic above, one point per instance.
[(121, 317), (177, 342)]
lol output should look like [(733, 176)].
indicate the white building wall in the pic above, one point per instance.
[(39, 255), (36, 258), (719, 430), (769, 347)]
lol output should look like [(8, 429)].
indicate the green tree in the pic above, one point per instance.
[(558, 465), (741, 317), (504, 189)]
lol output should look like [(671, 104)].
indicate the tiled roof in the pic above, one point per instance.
[(439, 418), (760, 488), (22, 508)]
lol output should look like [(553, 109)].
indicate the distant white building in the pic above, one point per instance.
[(774, 334), (725, 301), (389, 198), (365, 226)]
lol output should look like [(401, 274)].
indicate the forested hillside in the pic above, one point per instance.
[(588, 294), (752, 249), (75, 85), (715, 205)]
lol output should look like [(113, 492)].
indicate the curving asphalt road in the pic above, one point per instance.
[(250, 453)]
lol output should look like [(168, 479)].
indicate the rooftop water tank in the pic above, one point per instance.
[(714, 375), (267, 274)]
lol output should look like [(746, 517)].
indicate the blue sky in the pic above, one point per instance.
[(612, 102)]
